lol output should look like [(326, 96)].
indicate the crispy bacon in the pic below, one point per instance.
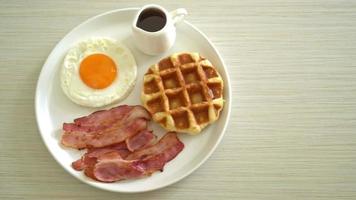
[(107, 165), (104, 117), (103, 128), (94, 153), (169, 145), (110, 170), (140, 140), (119, 144)]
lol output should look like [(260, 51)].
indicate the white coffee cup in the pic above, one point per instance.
[(154, 42)]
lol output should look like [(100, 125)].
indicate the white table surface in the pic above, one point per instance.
[(292, 133)]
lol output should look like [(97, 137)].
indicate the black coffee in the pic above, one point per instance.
[(151, 20)]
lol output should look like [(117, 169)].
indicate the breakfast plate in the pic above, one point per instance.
[(53, 107)]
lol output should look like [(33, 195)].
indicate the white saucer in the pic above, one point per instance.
[(53, 107)]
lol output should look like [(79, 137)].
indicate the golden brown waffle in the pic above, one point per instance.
[(183, 92)]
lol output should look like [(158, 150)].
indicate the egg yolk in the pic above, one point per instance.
[(98, 71)]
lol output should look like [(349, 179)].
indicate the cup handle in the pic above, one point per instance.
[(178, 15)]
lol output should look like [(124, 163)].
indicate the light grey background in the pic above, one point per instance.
[(292, 133)]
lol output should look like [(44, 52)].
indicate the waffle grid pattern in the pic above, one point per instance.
[(183, 92)]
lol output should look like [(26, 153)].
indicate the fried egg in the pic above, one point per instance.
[(97, 72)]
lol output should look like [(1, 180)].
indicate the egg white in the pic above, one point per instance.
[(77, 91)]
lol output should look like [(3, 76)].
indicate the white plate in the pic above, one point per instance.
[(53, 107)]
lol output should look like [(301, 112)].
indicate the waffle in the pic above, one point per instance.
[(183, 93)]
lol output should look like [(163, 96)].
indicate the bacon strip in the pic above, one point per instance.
[(103, 128), (169, 145), (140, 163), (140, 140), (94, 153), (110, 170), (91, 162), (104, 117), (107, 165)]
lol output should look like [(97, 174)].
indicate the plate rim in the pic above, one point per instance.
[(168, 183)]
